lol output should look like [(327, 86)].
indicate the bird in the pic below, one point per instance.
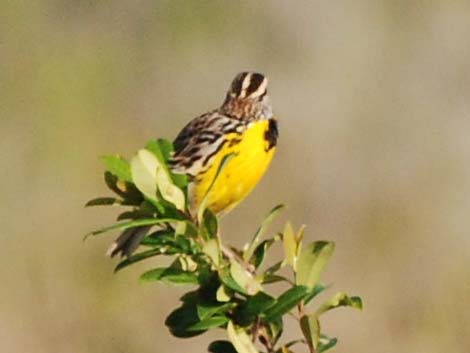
[(244, 128)]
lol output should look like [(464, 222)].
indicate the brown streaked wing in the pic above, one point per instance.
[(200, 140)]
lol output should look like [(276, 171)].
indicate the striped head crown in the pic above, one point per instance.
[(248, 97)]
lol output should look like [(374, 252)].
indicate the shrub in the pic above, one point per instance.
[(229, 287)]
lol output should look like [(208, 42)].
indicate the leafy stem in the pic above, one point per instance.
[(229, 288)]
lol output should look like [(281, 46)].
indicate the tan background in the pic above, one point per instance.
[(373, 99)]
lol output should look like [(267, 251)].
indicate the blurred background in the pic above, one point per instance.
[(373, 99)]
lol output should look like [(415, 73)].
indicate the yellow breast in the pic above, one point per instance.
[(252, 154)]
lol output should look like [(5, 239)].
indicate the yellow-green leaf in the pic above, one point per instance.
[(290, 245), (144, 167), (284, 349), (340, 299), (168, 190), (212, 250), (248, 253), (118, 166), (180, 228), (298, 240), (240, 339), (311, 329), (187, 263), (312, 261), (223, 294), (244, 279)]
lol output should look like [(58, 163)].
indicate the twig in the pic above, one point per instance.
[(301, 308), (231, 255)]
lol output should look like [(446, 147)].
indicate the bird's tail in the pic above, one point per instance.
[(128, 241)]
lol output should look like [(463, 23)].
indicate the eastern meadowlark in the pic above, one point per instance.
[(244, 127)]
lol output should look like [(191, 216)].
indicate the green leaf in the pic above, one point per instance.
[(269, 279), (197, 314), (118, 166), (169, 275), (181, 319), (275, 328), (167, 209), (180, 180), (192, 298), (240, 339), (286, 302), (183, 244), (221, 347), (254, 306), (319, 287), (215, 321), (127, 190), (209, 282), (207, 310), (340, 299), (260, 252), (131, 224), (112, 181), (274, 268), (290, 245), (261, 231), (191, 230), (210, 224), (293, 343), (227, 280), (160, 238), (269, 276), (103, 201), (326, 343), (312, 261), (139, 257), (135, 214), (161, 148), (310, 327), (166, 147)]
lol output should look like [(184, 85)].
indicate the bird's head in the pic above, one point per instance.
[(247, 97)]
